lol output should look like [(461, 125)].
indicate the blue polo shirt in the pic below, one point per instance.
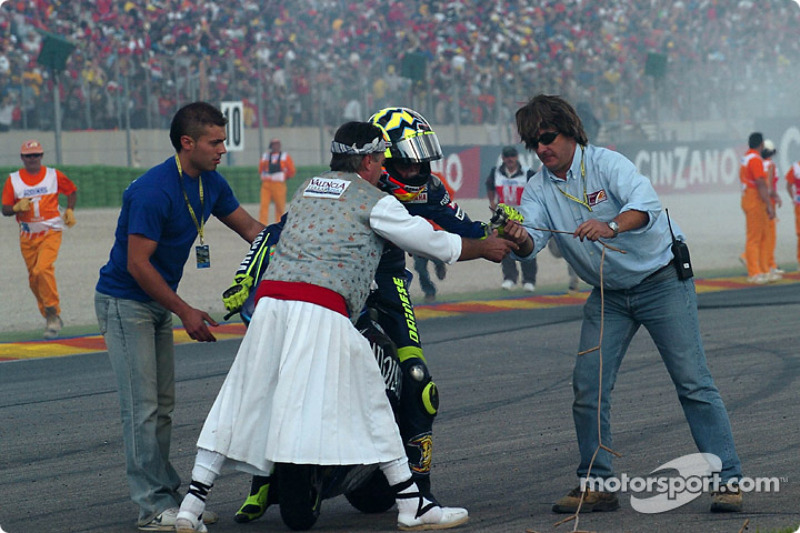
[(154, 207), (613, 185)]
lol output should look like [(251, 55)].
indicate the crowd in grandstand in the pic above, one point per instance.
[(467, 61)]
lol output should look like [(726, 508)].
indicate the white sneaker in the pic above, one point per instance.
[(417, 513), (188, 523), (507, 285), (778, 270), (758, 279), (434, 518), (773, 276), (530, 287), (165, 521), (425, 515)]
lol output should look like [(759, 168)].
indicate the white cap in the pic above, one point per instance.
[(769, 145)]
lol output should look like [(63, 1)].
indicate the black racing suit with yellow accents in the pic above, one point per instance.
[(419, 401)]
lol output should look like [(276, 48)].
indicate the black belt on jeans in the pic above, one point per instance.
[(671, 264)]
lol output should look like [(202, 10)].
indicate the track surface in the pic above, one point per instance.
[(504, 441)]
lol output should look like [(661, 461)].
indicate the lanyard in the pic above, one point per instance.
[(585, 201), (198, 225)]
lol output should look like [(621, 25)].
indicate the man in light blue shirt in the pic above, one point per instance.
[(593, 194)]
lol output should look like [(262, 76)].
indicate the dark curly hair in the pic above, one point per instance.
[(548, 112)]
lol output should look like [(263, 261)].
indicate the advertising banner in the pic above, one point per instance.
[(673, 167)]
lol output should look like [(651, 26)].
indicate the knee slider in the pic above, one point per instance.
[(430, 398), (422, 384)]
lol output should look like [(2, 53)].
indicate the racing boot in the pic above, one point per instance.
[(257, 502), (418, 513)]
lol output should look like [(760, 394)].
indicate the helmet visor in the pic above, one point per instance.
[(422, 147)]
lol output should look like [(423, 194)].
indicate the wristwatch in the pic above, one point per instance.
[(614, 227)]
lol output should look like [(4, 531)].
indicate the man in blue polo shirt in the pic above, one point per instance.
[(584, 195), (163, 213)]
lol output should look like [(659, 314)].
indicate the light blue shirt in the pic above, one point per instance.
[(612, 186)]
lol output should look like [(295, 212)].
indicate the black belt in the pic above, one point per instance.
[(671, 264)]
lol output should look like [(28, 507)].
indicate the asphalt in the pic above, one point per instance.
[(504, 439)]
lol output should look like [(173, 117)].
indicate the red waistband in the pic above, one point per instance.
[(303, 292)]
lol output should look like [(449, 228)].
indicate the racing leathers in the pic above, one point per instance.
[(419, 401)]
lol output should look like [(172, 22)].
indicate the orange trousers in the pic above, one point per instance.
[(40, 252), (272, 192), (797, 229), (756, 246), (772, 241)]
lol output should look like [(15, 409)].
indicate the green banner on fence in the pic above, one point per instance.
[(102, 186)]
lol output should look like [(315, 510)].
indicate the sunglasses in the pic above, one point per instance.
[(545, 139), (32, 156)]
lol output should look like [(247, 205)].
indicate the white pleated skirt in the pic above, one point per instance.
[(304, 388)]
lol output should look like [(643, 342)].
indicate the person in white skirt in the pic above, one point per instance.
[(304, 387)]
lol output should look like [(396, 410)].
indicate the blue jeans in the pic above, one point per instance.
[(140, 345), (667, 308), (528, 269), (424, 277)]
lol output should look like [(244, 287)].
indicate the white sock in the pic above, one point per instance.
[(396, 471), (207, 466)]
